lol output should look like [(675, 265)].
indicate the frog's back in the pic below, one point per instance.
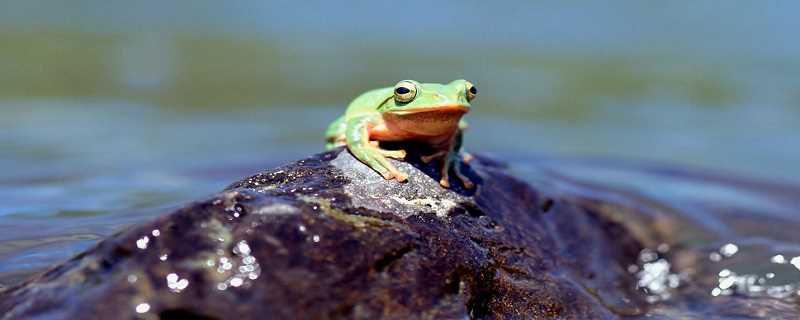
[(368, 102), (364, 104)]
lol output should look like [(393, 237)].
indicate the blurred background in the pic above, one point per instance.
[(111, 111)]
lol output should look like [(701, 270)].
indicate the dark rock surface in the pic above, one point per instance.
[(327, 238)]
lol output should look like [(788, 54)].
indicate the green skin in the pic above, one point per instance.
[(432, 115)]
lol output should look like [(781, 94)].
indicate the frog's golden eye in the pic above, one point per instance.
[(472, 91), (405, 91)]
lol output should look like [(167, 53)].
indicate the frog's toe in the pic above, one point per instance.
[(445, 183), (401, 177), (395, 154), (387, 175), (467, 157), (390, 171), (395, 175)]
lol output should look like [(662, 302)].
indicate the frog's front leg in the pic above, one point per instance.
[(453, 159), (358, 142)]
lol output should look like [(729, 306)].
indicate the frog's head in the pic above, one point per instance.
[(428, 108)]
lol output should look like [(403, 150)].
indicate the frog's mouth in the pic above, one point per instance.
[(445, 109), (426, 121)]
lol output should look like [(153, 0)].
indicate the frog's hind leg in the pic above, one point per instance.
[(335, 135), (334, 143)]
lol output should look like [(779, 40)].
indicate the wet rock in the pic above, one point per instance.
[(327, 238)]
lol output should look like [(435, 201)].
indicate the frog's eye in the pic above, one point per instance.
[(405, 91), (472, 91)]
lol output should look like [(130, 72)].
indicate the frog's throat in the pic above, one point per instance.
[(425, 124), (454, 109)]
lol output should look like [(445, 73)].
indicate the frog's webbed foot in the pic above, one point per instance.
[(399, 154)]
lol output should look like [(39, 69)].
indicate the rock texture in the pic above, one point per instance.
[(327, 238)]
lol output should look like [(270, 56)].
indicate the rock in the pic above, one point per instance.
[(327, 238)]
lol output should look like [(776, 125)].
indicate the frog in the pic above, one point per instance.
[(409, 111)]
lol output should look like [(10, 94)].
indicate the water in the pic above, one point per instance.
[(714, 243), (80, 172), (111, 114)]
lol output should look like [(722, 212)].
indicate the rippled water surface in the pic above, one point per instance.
[(706, 235), (111, 119)]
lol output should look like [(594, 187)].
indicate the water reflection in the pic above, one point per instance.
[(757, 272), (142, 242), (175, 283), (142, 308), (244, 272), (654, 274)]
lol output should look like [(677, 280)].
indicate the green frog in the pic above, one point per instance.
[(430, 113)]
